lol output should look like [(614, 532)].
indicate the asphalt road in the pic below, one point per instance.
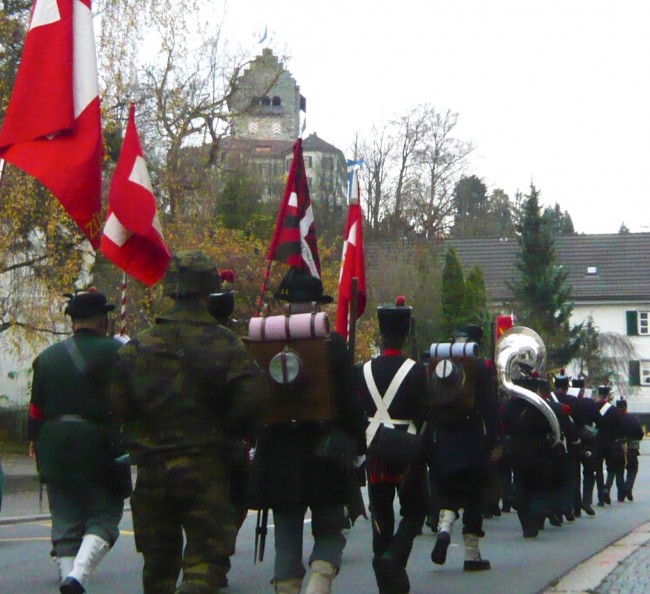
[(519, 566)]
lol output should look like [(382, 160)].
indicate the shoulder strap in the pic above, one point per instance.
[(382, 416), (75, 354)]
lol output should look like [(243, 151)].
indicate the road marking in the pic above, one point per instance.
[(25, 539)]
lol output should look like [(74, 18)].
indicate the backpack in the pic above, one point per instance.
[(452, 379)]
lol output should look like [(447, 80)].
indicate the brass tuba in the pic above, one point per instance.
[(520, 347)]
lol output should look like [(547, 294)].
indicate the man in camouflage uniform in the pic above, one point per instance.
[(186, 391)]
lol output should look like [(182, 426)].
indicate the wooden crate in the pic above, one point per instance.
[(313, 397)]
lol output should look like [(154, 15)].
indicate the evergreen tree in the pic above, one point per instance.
[(474, 299), (452, 295), (542, 296), (471, 208), (559, 221)]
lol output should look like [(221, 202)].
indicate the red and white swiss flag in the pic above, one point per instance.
[(352, 260), (52, 128), (133, 237)]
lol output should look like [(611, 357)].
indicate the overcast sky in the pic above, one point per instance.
[(553, 91)]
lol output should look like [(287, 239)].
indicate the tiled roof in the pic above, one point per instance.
[(607, 267), (314, 143)]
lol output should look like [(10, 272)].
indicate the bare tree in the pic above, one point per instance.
[(442, 160), (378, 154)]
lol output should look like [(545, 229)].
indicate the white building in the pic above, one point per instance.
[(610, 280)]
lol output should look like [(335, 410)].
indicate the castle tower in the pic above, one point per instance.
[(267, 101)]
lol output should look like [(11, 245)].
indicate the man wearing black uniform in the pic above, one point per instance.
[(632, 434), (462, 446), (393, 389), (609, 445)]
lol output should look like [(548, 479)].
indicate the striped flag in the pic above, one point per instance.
[(353, 257), (294, 239)]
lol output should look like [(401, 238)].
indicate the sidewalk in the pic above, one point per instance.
[(22, 500)]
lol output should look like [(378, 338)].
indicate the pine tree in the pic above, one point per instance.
[(452, 294), (475, 300), (542, 295)]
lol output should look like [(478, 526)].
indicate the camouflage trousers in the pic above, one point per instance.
[(183, 495)]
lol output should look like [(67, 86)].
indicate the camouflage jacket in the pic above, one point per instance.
[(186, 386)]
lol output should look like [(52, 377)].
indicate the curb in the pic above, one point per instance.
[(586, 577)]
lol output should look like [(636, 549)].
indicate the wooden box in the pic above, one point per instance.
[(312, 397)]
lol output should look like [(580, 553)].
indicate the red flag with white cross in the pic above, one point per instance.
[(133, 237), (52, 128)]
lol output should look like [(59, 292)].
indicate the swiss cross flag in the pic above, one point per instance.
[(52, 128), (133, 237), (352, 260), (294, 240)]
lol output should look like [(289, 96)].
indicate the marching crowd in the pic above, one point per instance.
[(289, 424)]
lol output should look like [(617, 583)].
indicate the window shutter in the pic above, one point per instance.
[(632, 323), (634, 373)]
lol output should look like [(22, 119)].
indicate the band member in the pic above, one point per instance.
[(305, 462), (528, 444), (570, 497), (463, 442), (609, 444), (393, 389), (632, 434)]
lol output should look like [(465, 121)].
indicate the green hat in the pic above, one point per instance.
[(87, 304), (191, 272)]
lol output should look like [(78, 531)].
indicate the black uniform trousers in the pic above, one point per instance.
[(632, 468), (413, 498)]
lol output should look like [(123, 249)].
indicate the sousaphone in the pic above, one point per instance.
[(520, 348)]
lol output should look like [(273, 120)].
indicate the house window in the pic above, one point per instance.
[(308, 161), (638, 322), (592, 270), (277, 101), (644, 368)]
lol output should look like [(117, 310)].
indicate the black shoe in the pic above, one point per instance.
[(588, 509), (71, 586), (601, 504), (629, 496), (569, 516), (439, 553), (577, 513), (621, 498), (480, 565), (554, 519), (531, 533), (391, 575)]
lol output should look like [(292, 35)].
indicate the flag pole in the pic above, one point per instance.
[(352, 324), (265, 282), (123, 307)]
